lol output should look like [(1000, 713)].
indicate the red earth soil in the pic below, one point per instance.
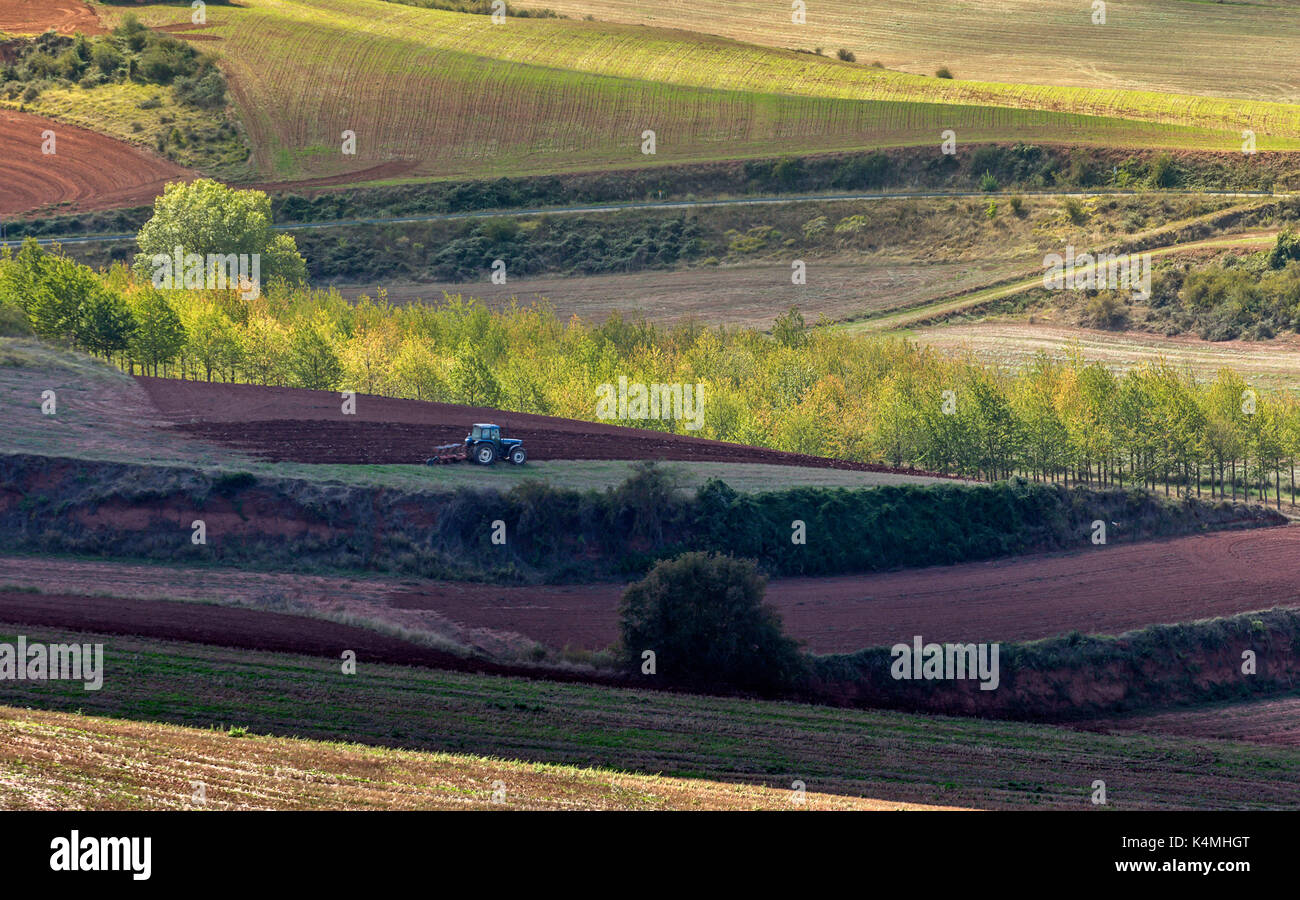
[(241, 628), (1107, 590), (87, 171), (36, 16), (289, 424), (1271, 721)]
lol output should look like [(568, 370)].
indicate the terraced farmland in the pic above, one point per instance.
[(1247, 50), (419, 87)]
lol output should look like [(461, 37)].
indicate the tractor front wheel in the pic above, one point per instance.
[(517, 456)]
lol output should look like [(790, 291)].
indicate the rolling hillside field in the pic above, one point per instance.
[(782, 472), (1271, 364), (433, 93), (905, 758), (50, 758), (1248, 50)]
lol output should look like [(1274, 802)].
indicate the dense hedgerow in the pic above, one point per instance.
[(559, 534), (1158, 665)]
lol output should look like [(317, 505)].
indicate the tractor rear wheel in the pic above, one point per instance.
[(485, 454), (518, 455)]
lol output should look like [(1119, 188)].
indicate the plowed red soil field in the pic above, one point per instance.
[(36, 16), (1274, 721), (88, 171), (245, 629), (1107, 590), (292, 425)]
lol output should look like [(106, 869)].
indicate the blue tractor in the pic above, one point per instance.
[(483, 445)]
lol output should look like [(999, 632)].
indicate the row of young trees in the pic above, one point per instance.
[(819, 392)]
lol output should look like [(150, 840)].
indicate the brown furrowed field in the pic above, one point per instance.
[(103, 412), (1267, 721), (65, 761), (36, 16), (1020, 598), (750, 295), (853, 753), (88, 171)]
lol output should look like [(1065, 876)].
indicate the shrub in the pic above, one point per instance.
[(846, 55), (206, 91), (789, 330), (1164, 173), (107, 57), (943, 72), (1287, 248), (1017, 205), (815, 227), (13, 322), (703, 616), (988, 182)]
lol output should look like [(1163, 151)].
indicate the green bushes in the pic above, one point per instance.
[(899, 527), (560, 535), (1233, 298), (1285, 250), (1076, 676), (131, 52), (703, 618)]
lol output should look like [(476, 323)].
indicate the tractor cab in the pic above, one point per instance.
[(485, 445)]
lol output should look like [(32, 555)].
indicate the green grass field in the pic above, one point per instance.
[(70, 761), (883, 755), (432, 93), (1238, 49)]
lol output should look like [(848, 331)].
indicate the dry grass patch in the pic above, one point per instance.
[(66, 761)]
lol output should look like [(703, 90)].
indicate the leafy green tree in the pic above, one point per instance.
[(415, 370), (105, 324), (55, 297), (472, 381), (206, 217), (703, 617), (313, 362), (1286, 249), (107, 58), (212, 343), (159, 335), (264, 345)]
